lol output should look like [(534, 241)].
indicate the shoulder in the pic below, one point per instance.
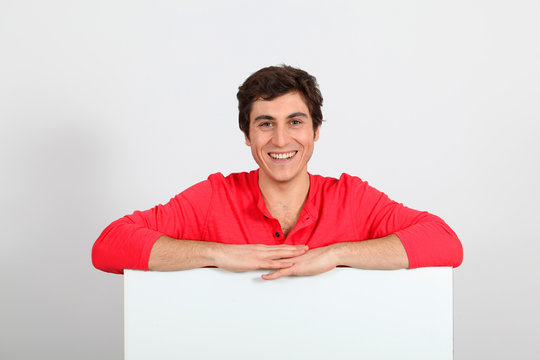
[(233, 180), (234, 185), (219, 181), (219, 185), (344, 183), (347, 190)]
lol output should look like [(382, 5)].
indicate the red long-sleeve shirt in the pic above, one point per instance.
[(231, 210)]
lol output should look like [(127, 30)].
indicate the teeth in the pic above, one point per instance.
[(283, 156)]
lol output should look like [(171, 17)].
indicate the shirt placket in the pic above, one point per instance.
[(275, 230)]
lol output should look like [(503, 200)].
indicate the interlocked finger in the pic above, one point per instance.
[(286, 253), (278, 273), (277, 265)]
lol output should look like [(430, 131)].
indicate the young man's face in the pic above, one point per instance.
[(281, 136)]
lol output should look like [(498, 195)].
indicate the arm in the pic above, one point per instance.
[(396, 237), (426, 238), (124, 245), (128, 242), (172, 254), (386, 253), (148, 240)]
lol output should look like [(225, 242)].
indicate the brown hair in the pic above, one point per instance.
[(273, 81)]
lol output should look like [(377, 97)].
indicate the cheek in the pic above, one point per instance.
[(308, 140), (256, 146), (259, 141)]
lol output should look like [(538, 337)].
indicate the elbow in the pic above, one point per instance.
[(432, 244), (102, 258), (453, 248), (99, 260), (457, 251), (96, 257), (448, 250)]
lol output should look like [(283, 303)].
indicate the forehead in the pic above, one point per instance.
[(281, 106)]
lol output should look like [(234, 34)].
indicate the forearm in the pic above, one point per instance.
[(386, 253), (173, 254)]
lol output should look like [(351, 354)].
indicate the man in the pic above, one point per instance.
[(279, 217)]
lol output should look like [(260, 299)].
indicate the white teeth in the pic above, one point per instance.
[(283, 156)]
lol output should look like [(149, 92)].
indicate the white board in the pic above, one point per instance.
[(346, 313)]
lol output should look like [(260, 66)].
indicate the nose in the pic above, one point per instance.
[(281, 136)]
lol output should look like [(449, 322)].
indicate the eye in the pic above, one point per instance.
[(295, 122), (265, 124)]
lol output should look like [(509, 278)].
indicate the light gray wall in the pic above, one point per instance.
[(111, 106)]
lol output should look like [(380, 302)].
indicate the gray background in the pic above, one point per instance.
[(111, 106)]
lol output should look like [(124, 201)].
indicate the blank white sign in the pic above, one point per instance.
[(342, 314)]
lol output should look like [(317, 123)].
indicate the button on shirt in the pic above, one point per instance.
[(231, 210)]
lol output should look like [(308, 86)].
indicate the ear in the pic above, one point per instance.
[(248, 143), (316, 134)]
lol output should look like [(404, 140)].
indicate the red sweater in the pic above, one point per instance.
[(231, 210)]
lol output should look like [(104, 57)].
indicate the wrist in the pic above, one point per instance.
[(338, 252), (214, 253)]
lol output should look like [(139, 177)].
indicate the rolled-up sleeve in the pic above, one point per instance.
[(427, 239), (127, 242)]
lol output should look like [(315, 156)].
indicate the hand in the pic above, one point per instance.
[(315, 261), (253, 257)]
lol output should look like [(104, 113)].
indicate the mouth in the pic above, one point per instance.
[(282, 156)]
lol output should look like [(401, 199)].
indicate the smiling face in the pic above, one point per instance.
[(281, 137)]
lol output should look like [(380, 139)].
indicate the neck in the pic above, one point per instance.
[(292, 193)]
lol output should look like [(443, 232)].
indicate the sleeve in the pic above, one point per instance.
[(126, 243), (427, 239)]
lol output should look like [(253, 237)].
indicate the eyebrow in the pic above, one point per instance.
[(263, 117), (297, 114), (268, 117)]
